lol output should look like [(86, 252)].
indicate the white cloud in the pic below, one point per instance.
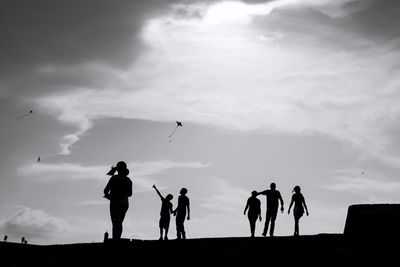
[(372, 187), (34, 225), (142, 172), (226, 76)]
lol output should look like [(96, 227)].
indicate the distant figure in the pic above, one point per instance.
[(254, 207), (105, 237), (299, 206), (166, 210), (5, 238), (180, 213), (23, 240), (273, 198), (118, 190)]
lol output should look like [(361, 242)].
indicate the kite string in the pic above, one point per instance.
[(173, 132)]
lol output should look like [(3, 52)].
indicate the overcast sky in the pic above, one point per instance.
[(297, 92)]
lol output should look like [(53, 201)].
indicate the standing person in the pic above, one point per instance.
[(254, 207), (299, 206), (118, 190), (5, 238), (166, 210), (180, 213), (273, 198)]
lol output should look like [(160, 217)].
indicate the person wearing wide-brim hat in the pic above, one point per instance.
[(118, 190)]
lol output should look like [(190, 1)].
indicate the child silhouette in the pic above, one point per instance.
[(166, 210)]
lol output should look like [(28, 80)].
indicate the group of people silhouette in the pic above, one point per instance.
[(119, 189), (253, 206)]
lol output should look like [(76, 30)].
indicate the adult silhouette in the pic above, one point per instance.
[(299, 206), (180, 213), (273, 199), (254, 206), (118, 190), (166, 210)]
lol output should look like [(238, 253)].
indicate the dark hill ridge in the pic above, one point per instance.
[(321, 250)]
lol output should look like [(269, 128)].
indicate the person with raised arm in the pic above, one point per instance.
[(166, 210)]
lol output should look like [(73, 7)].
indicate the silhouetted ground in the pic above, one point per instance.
[(317, 250)]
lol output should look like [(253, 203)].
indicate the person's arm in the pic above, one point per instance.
[(170, 208), (305, 206), (158, 192), (188, 209), (107, 189), (247, 206), (262, 193), (129, 189), (281, 200), (259, 211), (290, 206)]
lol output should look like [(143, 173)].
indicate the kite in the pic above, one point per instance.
[(25, 115), (178, 124)]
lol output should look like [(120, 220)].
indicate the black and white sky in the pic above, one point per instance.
[(297, 92)]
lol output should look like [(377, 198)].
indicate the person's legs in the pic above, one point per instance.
[(296, 226), (252, 226), (273, 218), (117, 212), (166, 233), (179, 226), (267, 219)]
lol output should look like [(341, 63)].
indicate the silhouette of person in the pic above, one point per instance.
[(166, 210), (180, 213), (105, 237), (5, 238), (254, 207), (23, 240), (273, 198), (118, 190), (299, 206)]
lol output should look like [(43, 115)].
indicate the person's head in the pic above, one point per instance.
[(254, 193), (169, 197), (297, 189), (122, 168), (272, 186), (183, 191)]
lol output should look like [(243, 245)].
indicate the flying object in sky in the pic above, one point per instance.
[(178, 124), (25, 115)]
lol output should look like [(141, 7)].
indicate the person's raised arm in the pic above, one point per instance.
[(158, 192)]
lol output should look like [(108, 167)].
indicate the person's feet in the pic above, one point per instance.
[(264, 234), (160, 238), (165, 238)]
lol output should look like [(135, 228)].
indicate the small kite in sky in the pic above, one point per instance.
[(178, 124), (25, 115)]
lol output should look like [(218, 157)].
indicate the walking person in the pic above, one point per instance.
[(273, 199), (299, 206), (118, 190), (180, 213), (254, 207), (166, 210)]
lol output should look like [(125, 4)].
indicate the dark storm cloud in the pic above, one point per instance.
[(38, 35)]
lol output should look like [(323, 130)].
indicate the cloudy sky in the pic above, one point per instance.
[(297, 92)]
